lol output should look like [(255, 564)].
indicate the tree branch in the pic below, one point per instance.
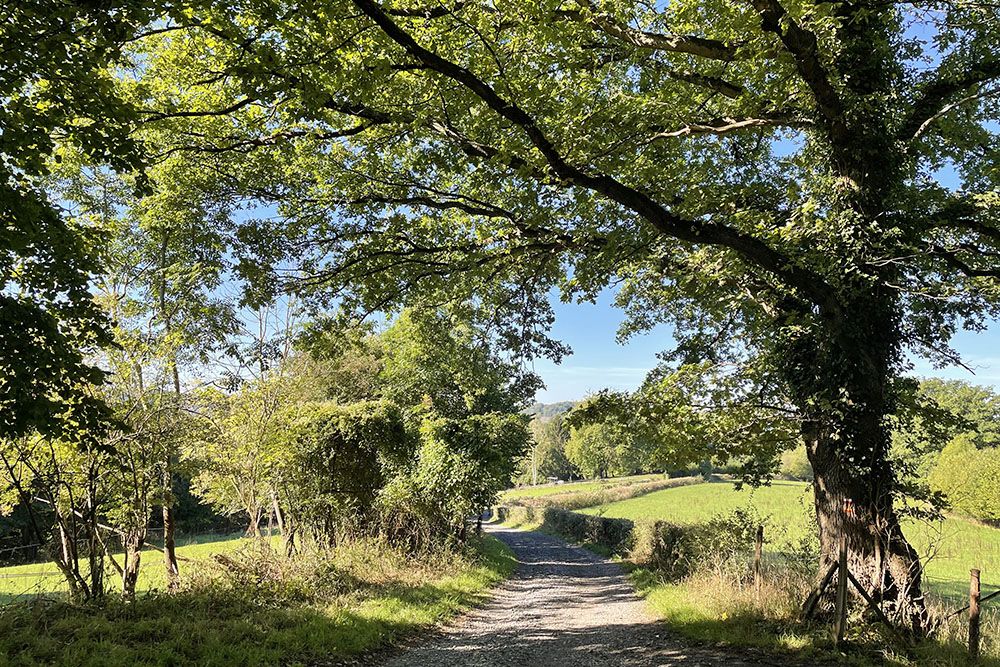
[(697, 46), (933, 103), (803, 47), (666, 222), (429, 12), (726, 125), (953, 260)]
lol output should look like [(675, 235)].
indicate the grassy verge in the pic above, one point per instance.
[(261, 611), (708, 609)]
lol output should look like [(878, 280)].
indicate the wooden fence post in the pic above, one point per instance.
[(840, 622), (758, 551), (974, 614)]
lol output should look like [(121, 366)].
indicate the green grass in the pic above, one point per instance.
[(575, 487), (21, 581), (707, 609), (390, 596), (956, 544)]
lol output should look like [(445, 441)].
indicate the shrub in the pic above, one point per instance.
[(664, 547), (461, 466), (336, 460), (612, 535)]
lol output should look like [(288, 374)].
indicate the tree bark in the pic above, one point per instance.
[(879, 555), (130, 569), (169, 540), (253, 523), (843, 378)]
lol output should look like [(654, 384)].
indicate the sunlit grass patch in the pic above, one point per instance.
[(951, 546)]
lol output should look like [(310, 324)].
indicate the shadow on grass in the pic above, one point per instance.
[(215, 628)]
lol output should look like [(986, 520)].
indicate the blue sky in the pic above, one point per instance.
[(598, 361)]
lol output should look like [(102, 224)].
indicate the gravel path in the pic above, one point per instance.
[(563, 606)]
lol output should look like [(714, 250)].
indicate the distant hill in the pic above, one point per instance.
[(550, 410)]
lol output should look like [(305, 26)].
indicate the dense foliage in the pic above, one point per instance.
[(953, 446), (56, 85)]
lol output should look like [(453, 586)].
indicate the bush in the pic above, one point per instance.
[(724, 546), (337, 459), (666, 548), (461, 466), (612, 535)]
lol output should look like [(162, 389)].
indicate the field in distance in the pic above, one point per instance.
[(954, 544), (552, 489)]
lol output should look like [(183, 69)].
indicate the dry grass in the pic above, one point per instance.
[(592, 497)]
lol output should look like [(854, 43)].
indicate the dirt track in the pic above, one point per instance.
[(563, 606)]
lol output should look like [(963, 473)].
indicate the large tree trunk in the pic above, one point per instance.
[(879, 555), (843, 375)]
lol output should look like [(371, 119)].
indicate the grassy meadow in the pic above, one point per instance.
[(341, 603), (18, 582), (952, 546)]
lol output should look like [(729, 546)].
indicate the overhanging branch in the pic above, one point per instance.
[(935, 96), (697, 46), (699, 232), (804, 49)]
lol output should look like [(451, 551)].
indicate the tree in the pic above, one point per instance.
[(440, 360), (969, 477), (547, 457), (163, 260), (333, 462), (463, 464), (705, 414), (56, 85), (62, 481), (795, 464), (760, 173), (591, 448), (976, 410)]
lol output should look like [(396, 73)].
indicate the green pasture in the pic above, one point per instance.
[(951, 547), (22, 581)]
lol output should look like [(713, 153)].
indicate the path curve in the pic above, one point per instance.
[(563, 606)]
